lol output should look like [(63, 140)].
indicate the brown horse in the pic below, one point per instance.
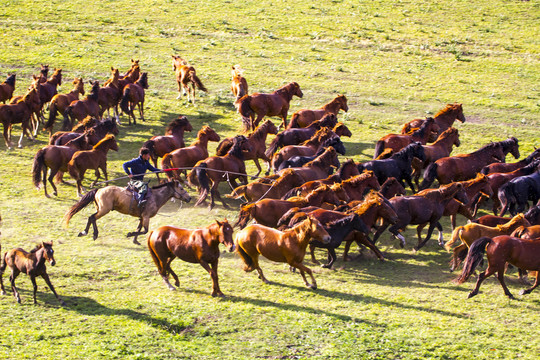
[(288, 246), (48, 89), (129, 77), (444, 118), (19, 113), (239, 85), (502, 250), (159, 145), (470, 232), (110, 95), (425, 133), (95, 159), (391, 187), (303, 118), (32, 263), (195, 246), (187, 157), (80, 109), (257, 140), (318, 168), (254, 107), (60, 102), (509, 167), (95, 129), (55, 158), (122, 200), (342, 130), (527, 232), (215, 168), (186, 75), (532, 216), (466, 166), (7, 88), (133, 95)]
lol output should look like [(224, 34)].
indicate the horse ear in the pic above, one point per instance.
[(219, 223)]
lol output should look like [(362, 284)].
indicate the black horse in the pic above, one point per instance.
[(398, 165), (299, 161), (515, 194)]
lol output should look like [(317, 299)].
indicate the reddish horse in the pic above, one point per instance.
[(60, 102), (80, 109), (32, 263), (239, 85), (186, 75), (444, 118), (187, 157), (288, 246), (532, 216), (129, 77), (48, 89), (96, 159), (133, 95), (110, 94), (173, 139), (303, 118), (254, 107), (194, 246), (257, 140), (509, 167), (19, 113), (502, 250), (7, 88)]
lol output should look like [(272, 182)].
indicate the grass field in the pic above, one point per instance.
[(395, 61)]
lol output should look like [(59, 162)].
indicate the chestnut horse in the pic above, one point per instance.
[(186, 75), (79, 109), (502, 250), (189, 156), (239, 85), (159, 145), (254, 107), (167, 243), (257, 140), (444, 119), (48, 89), (122, 200), (319, 168), (129, 77), (509, 167), (95, 129), (32, 263), (303, 118), (215, 168), (19, 113), (110, 94), (133, 95), (60, 102), (96, 159), (280, 246), (7, 88), (532, 216), (425, 133)]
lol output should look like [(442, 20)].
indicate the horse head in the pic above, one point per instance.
[(317, 230), (143, 80), (296, 90), (179, 192), (210, 133), (78, 84), (178, 124), (343, 102), (48, 252), (226, 235)]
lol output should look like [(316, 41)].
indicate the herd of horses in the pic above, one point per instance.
[(307, 196)]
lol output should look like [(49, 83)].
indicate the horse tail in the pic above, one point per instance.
[(379, 148), (204, 183), (81, 204), (73, 170), (244, 109), (506, 197), (53, 111), (276, 143), (124, 103), (224, 147), (429, 176), (248, 260), (37, 167), (475, 256), (243, 216), (153, 254), (456, 235), (197, 81), (68, 115)]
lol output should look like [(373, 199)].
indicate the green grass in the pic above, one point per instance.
[(394, 61)]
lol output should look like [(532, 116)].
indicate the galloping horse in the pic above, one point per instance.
[(79, 109), (303, 118), (159, 145), (268, 188), (133, 94), (532, 216), (239, 85), (288, 246), (189, 156), (317, 169), (514, 196), (96, 159), (214, 168), (110, 95), (257, 141), (129, 77), (502, 250), (60, 102), (509, 167), (120, 199), (48, 89), (195, 246), (7, 88), (95, 129), (19, 113), (186, 75), (254, 107), (444, 119), (32, 263)]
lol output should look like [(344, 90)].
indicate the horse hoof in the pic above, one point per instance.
[(3, 292), (136, 242), (129, 234), (523, 292), (471, 294), (313, 286), (63, 303), (55, 193), (326, 266), (82, 233)]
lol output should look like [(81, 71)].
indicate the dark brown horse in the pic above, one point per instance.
[(7, 88), (32, 263), (159, 145), (110, 95), (167, 243), (288, 246), (122, 200), (130, 76), (95, 159), (319, 168), (239, 85), (502, 250), (48, 89), (60, 102), (186, 76), (444, 119), (19, 113), (509, 167), (187, 157), (95, 129), (257, 141), (217, 168), (303, 118), (133, 95), (80, 109), (253, 108)]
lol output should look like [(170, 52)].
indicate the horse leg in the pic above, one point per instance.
[(312, 251), (45, 277), (140, 105), (7, 139), (536, 283), (481, 277), (394, 230), (346, 250), (331, 258), (91, 221), (408, 179), (500, 277), (212, 270), (256, 161), (304, 269), (14, 273), (428, 236), (169, 270), (215, 193), (51, 178), (361, 239), (34, 285), (379, 231)]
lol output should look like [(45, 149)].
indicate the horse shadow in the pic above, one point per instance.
[(358, 148)]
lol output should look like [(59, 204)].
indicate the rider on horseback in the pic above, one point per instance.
[(136, 168)]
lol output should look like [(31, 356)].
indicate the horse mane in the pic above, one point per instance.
[(36, 248), (403, 153), (167, 183), (85, 123), (323, 158), (447, 109), (422, 129), (317, 137), (341, 170), (261, 130), (479, 177), (371, 199), (508, 143), (511, 222), (176, 123), (236, 149), (341, 222), (355, 180), (446, 133), (107, 138)]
